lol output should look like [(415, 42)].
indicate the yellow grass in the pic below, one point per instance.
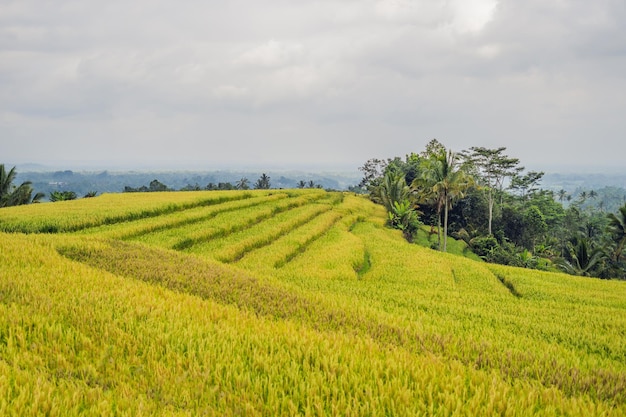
[(323, 312)]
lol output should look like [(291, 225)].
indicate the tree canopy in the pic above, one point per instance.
[(11, 195), (484, 197)]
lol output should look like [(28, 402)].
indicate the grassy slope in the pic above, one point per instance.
[(336, 315)]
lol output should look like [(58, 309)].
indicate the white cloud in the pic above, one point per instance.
[(272, 54), (471, 15)]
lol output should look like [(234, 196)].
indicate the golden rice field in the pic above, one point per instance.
[(286, 303)]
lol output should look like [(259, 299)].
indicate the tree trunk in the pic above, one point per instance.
[(445, 227), (490, 210), (439, 229)]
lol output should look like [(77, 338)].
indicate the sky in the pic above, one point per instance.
[(311, 84)]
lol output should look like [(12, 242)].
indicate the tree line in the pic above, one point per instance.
[(487, 199), (262, 183), (12, 195)]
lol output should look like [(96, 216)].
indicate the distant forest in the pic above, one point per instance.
[(82, 183)]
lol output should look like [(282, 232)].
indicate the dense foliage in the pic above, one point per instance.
[(12, 195), (485, 198)]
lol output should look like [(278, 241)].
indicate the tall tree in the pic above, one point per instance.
[(433, 148), (446, 180), (526, 184), (534, 226), (373, 171), (617, 228), (263, 183), (492, 166), (243, 184), (10, 195)]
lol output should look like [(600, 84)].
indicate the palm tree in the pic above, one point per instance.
[(243, 184), (301, 184), (62, 196), (393, 189), (396, 196), (617, 228), (582, 257), (10, 195), (263, 183), (562, 195), (444, 181)]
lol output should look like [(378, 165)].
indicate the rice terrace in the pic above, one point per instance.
[(286, 302)]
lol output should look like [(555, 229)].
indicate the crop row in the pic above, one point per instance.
[(226, 223), (67, 216), (137, 228), (168, 229), (334, 253), (234, 246), (338, 254), (286, 247)]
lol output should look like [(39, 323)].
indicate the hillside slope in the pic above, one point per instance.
[(286, 302)]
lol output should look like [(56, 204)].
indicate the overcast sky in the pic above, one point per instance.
[(310, 83)]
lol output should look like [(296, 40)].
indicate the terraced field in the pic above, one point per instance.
[(286, 302)]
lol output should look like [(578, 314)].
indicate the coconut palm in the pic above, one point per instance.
[(562, 195), (243, 184), (62, 196), (396, 196), (263, 183), (393, 189), (10, 195), (617, 228), (444, 181), (581, 257)]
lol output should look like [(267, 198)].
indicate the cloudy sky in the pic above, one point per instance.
[(327, 83)]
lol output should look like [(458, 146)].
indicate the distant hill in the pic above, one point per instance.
[(572, 182)]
